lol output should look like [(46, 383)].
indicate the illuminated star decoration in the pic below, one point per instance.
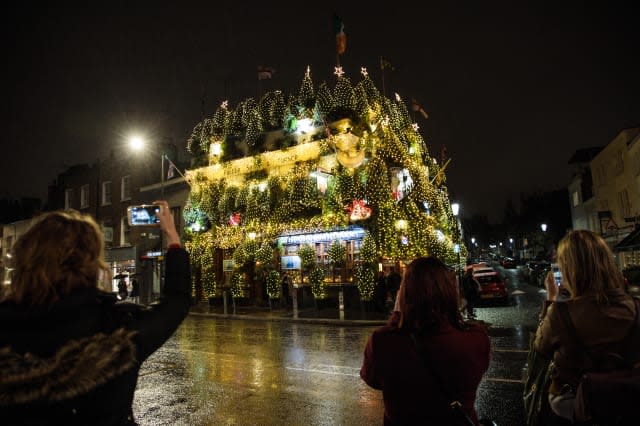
[(224, 104), (363, 71), (308, 73), (415, 127), (338, 71)]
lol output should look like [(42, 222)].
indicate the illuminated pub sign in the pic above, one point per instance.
[(353, 233)]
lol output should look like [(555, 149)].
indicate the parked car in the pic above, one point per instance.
[(508, 263), (537, 272), (491, 286), (632, 277)]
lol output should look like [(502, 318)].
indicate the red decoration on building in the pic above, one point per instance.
[(234, 219), (359, 210)]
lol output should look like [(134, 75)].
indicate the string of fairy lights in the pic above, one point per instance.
[(412, 219)]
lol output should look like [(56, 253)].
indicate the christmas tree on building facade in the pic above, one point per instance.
[(334, 183)]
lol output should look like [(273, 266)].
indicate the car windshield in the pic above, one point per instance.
[(485, 279)]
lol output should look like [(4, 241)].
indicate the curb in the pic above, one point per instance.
[(324, 321)]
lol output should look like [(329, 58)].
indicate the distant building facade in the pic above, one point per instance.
[(584, 213), (105, 190), (605, 196)]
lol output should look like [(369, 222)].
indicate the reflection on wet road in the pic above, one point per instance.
[(235, 372)]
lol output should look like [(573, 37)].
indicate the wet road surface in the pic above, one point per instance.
[(241, 372)]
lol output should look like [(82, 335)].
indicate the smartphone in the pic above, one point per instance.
[(144, 215), (557, 275)]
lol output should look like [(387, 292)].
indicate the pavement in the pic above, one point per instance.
[(358, 314)]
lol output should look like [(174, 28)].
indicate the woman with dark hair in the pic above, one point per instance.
[(426, 357), (598, 307), (69, 354)]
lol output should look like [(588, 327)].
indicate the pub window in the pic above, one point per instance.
[(106, 193), (84, 196), (68, 198)]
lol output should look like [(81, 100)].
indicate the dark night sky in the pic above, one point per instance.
[(512, 90)]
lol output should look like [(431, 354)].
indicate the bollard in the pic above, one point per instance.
[(224, 301), (341, 302), (294, 300)]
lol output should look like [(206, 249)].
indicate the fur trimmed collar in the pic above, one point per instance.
[(75, 369)]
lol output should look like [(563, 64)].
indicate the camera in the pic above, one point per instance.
[(144, 215), (557, 275)]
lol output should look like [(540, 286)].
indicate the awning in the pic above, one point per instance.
[(630, 242), (120, 254)]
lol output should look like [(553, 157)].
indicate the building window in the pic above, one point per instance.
[(68, 198), (625, 206), (84, 196), (575, 198), (619, 164), (125, 231), (106, 193), (125, 188)]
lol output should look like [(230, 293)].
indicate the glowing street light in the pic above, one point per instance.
[(543, 226), (136, 143)]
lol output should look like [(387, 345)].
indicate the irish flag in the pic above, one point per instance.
[(341, 37)]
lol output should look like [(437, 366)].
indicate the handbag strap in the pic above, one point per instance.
[(563, 309), (429, 368)]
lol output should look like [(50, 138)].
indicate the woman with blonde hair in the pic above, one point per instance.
[(68, 353), (427, 358), (601, 312)]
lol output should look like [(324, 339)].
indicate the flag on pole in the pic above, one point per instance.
[(265, 72), (171, 173), (384, 63), (418, 108), (173, 169), (341, 37), (444, 155)]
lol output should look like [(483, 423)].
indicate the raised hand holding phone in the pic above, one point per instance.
[(551, 287), (167, 225)]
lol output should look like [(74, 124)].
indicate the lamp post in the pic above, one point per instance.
[(455, 209), (543, 226), (137, 143)]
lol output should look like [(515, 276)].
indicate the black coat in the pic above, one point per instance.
[(77, 362)]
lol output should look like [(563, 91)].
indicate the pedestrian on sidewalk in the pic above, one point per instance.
[(380, 293), (285, 290), (393, 284), (135, 291), (69, 354), (471, 292), (122, 289), (426, 357)]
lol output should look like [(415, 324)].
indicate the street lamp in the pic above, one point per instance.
[(455, 209), (138, 143), (543, 226)]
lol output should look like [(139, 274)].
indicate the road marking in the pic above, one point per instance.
[(338, 373), (333, 373), (511, 350), (542, 290), (501, 380), (517, 292)]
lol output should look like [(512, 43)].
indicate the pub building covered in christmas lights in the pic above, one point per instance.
[(328, 186)]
